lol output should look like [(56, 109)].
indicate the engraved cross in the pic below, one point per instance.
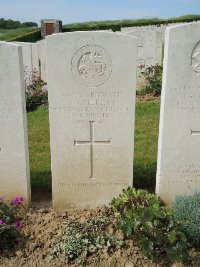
[(92, 143)]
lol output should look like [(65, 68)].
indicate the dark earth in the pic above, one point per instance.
[(43, 227)]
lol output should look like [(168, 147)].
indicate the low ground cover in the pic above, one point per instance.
[(92, 237)]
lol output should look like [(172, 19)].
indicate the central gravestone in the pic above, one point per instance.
[(91, 81)]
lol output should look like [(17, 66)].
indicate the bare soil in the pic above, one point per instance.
[(44, 227), (147, 98)]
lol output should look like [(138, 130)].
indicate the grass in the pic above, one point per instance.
[(146, 139), (146, 135), (8, 34), (39, 148)]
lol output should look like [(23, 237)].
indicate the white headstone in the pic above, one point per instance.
[(149, 47), (92, 86), (42, 60), (14, 159), (35, 59), (27, 61), (178, 170)]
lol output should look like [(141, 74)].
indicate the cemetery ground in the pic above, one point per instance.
[(43, 227)]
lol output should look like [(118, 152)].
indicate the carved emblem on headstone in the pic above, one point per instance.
[(91, 65), (196, 58)]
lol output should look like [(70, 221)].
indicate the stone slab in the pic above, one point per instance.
[(27, 61), (14, 157), (35, 58), (42, 60), (92, 87), (149, 47), (178, 170)]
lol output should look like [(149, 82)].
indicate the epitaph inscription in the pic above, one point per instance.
[(91, 65)]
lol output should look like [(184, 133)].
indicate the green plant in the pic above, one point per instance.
[(82, 239), (153, 76), (36, 91), (143, 217), (116, 25), (11, 214), (187, 208)]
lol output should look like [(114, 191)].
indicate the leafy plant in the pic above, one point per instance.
[(153, 75), (11, 214), (82, 239), (36, 91), (143, 217), (187, 208)]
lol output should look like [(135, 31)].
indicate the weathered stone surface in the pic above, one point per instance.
[(91, 83), (178, 170), (14, 159)]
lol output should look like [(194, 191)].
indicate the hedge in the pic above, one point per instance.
[(116, 25), (32, 37)]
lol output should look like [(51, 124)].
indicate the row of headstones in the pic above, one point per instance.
[(151, 40), (34, 61), (149, 53), (91, 83)]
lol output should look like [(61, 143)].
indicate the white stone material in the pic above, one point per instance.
[(14, 157), (42, 60), (92, 87), (178, 170), (35, 59), (27, 61), (149, 47)]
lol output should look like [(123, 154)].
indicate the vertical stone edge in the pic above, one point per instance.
[(162, 110), (25, 132)]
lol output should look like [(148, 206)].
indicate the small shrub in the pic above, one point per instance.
[(11, 214), (36, 91), (80, 240), (187, 209), (153, 75), (143, 217)]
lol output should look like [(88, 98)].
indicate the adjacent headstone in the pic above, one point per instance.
[(178, 170), (149, 47), (92, 86), (50, 26), (35, 59), (27, 61), (42, 60), (14, 159)]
